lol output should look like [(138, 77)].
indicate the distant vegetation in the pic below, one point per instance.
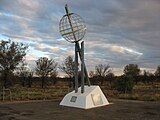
[(45, 68), (43, 81)]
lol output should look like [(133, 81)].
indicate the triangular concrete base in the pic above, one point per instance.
[(92, 97)]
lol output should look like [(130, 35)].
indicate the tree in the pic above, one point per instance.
[(22, 73), (145, 76), (68, 67), (124, 83), (110, 77), (44, 68), (93, 77), (132, 70), (11, 54), (25, 73), (91, 74), (102, 71), (54, 75), (29, 81), (157, 73)]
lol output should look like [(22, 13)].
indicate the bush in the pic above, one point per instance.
[(124, 84)]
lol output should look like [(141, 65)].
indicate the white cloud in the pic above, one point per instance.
[(124, 50)]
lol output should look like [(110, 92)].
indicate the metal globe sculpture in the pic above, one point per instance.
[(72, 27)]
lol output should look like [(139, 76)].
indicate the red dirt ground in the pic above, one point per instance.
[(50, 110)]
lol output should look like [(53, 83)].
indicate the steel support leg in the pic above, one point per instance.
[(82, 67), (76, 68), (85, 69)]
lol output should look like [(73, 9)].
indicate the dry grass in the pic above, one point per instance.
[(141, 91), (145, 92), (23, 93)]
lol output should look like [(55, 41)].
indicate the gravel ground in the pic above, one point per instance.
[(50, 110)]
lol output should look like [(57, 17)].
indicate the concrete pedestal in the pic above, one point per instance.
[(92, 97)]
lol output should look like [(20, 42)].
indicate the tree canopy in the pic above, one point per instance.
[(11, 54), (124, 83), (45, 67), (68, 66), (157, 72), (132, 70), (102, 71)]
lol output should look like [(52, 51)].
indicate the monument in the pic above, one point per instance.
[(72, 28)]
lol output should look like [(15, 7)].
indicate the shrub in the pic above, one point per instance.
[(124, 84)]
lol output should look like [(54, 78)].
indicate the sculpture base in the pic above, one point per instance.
[(92, 97)]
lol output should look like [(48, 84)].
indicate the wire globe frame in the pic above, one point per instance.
[(73, 30)]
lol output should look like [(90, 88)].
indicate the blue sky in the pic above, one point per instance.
[(119, 32)]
